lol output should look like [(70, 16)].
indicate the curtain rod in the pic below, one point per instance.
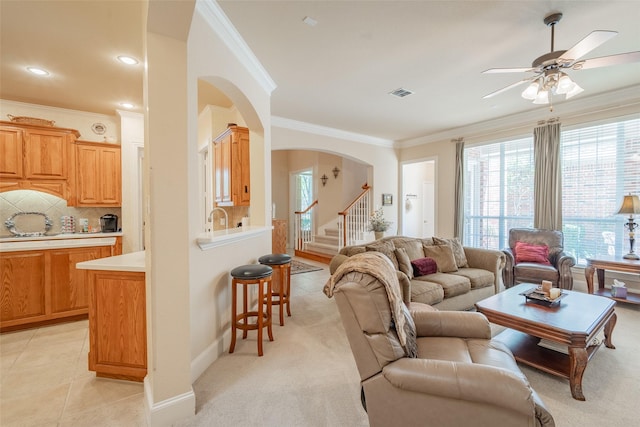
[(548, 122)]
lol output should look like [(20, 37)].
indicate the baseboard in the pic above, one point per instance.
[(169, 411), (209, 355)]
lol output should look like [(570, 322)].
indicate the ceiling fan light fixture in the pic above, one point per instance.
[(565, 84), (542, 97), (575, 90), (531, 91)]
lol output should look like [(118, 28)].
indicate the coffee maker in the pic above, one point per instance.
[(109, 223)]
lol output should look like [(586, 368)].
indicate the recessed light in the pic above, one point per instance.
[(38, 71), (126, 105), (127, 60), (309, 21)]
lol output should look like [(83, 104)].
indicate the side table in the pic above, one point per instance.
[(611, 264)]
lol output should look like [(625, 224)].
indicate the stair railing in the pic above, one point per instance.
[(304, 227), (354, 221)]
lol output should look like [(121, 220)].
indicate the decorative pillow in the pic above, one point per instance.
[(528, 252), (424, 266), (412, 245), (404, 263), (385, 247), (456, 248), (443, 255)]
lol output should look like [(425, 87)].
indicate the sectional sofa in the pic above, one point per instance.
[(437, 271)]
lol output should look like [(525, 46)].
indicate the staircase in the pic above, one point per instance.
[(324, 245)]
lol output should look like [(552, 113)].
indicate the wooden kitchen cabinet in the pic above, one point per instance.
[(44, 286), (23, 295), (98, 174), (232, 167), (32, 154), (69, 286), (117, 324)]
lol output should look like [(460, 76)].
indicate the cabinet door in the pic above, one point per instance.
[(88, 174), (217, 171), (70, 286), (45, 154), (241, 177), (11, 149), (226, 169), (117, 324), (22, 290), (111, 176)]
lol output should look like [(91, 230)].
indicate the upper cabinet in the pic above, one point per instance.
[(98, 174), (231, 154), (35, 157)]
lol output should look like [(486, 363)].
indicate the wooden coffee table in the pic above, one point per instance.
[(574, 322)]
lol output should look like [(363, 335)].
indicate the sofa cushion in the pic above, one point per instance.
[(426, 292), (443, 255), (452, 284), (456, 248), (412, 245), (404, 264), (385, 247), (528, 252), (424, 266), (478, 277)]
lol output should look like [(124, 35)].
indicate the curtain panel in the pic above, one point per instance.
[(458, 221), (548, 179)]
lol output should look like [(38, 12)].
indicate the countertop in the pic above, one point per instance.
[(59, 241), (217, 238), (134, 262)]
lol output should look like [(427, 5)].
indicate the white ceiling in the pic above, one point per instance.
[(335, 74)]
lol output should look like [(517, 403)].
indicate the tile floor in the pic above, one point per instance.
[(44, 381)]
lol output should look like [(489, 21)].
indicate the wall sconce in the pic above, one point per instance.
[(335, 171), (324, 179)]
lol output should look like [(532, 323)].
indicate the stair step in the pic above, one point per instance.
[(329, 240), (331, 232), (322, 248)]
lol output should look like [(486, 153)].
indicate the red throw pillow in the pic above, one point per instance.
[(527, 252), (424, 266)]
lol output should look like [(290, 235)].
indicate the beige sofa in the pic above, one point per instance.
[(427, 367), (464, 275)]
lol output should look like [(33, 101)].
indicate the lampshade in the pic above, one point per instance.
[(565, 84), (630, 205), (531, 91), (542, 97), (574, 90)]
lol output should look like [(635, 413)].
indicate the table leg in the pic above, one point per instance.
[(600, 273), (578, 362), (588, 274), (608, 330)]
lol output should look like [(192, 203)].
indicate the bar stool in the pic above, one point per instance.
[(281, 289), (253, 274)]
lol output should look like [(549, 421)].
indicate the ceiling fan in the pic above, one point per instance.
[(548, 76)]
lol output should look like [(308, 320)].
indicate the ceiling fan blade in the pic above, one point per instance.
[(587, 44), (511, 86), (605, 61), (508, 70)]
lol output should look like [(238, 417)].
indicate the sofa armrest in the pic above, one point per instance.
[(405, 287), (336, 261), (507, 272), (564, 264), (487, 259), (463, 381), (462, 324)]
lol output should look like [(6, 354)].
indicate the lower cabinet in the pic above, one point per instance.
[(117, 324), (44, 286)]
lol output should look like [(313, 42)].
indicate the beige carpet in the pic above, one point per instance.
[(307, 376)]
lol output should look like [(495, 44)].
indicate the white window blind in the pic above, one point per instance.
[(600, 164)]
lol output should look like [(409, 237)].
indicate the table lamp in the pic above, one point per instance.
[(630, 205)]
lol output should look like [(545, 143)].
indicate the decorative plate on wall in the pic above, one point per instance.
[(99, 128)]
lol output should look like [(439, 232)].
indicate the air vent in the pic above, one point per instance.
[(401, 93)]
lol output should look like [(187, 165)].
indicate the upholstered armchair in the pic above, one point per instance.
[(535, 255), (424, 367)]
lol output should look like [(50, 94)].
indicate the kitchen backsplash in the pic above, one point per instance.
[(235, 213), (54, 207)]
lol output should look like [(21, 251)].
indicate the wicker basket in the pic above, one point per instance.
[(30, 120)]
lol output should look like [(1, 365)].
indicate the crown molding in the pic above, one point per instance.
[(47, 108), (619, 102), (311, 128), (221, 25)]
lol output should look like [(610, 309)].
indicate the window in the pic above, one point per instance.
[(600, 164)]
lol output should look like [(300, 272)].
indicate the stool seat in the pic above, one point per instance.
[(281, 289), (275, 259), (244, 276), (251, 271)]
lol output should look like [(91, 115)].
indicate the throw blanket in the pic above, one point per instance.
[(380, 267)]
